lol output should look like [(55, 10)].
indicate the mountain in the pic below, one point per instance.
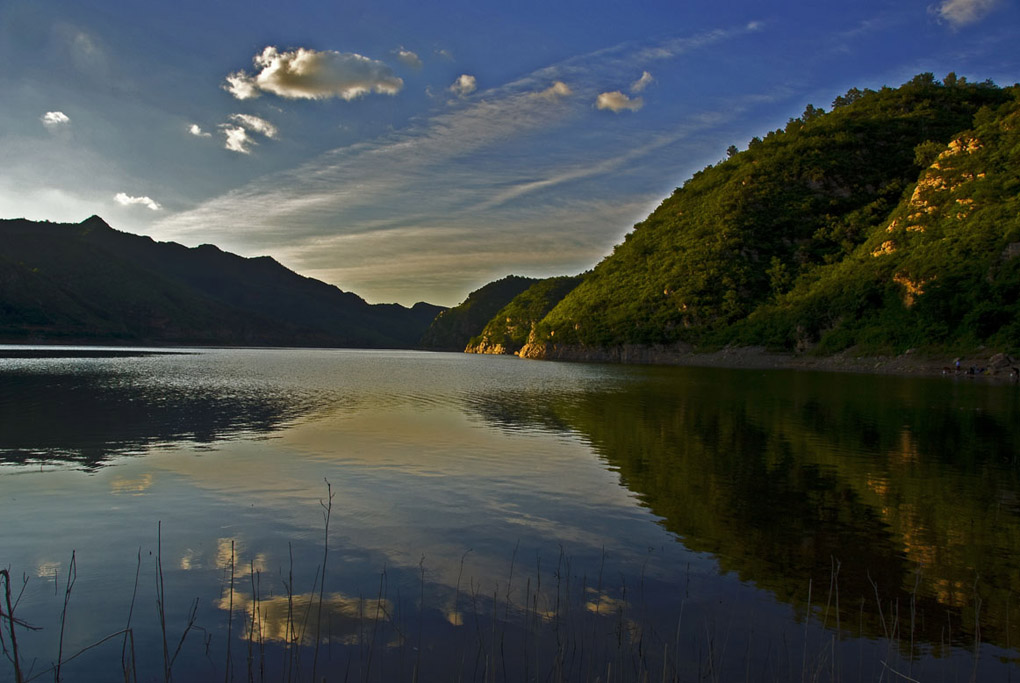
[(453, 328), (942, 269), (87, 282), (509, 330), (890, 222)]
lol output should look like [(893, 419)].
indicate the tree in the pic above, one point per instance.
[(927, 152), (811, 112), (851, 96)]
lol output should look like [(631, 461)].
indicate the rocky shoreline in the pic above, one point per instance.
[(983, 364)]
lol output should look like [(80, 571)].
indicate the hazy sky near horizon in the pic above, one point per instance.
[(413, 151)]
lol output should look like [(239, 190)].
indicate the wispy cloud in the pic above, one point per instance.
[(488, 178), (616, 102), (396, 264), (962, 12), (237, 134), (55, 119), (464, 85), (640, 84), (315, 75), (197, 131), (126, 200), (255, 124), (555, 91)]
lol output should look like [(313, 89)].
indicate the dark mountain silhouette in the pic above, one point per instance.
[(87, 282)]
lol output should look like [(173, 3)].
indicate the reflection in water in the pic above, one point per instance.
[(296, 618), (48, 570), (886, 506), (88, 416), (133, 486), (885, 495), (228, 557)]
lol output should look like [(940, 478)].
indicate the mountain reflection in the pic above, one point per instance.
[(893, 500), (86, 418)]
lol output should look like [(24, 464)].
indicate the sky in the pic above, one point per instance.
[(412, 151)]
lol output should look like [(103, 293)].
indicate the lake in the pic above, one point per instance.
[(293, 515)]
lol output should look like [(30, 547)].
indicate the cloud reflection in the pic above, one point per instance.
[(292, 619), (132, 485)]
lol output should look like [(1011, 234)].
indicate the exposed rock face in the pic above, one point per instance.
[(486, 347), (676, 354)]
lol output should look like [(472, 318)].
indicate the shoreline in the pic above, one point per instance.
[(986, 365)]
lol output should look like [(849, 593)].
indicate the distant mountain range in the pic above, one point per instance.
[(89, 283)]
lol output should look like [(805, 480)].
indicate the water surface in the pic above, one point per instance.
[(498, 519)]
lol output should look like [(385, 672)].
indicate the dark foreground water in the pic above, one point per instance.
[(491, 519)]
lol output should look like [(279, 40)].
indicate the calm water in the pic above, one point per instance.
[(496, 519)]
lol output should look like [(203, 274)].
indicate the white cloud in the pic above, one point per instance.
[(464, 85), (556, 90), (313, 75), (127, 200), (55, 119), (241, 86), (616, 101), (409, 58), (237, 140), (255, 124), (642, 83), (237, 134), (961, 12), (197, 131)]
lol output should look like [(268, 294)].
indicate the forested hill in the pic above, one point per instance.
[(509, 330), (453, 328), (87, 282), (887, 223)]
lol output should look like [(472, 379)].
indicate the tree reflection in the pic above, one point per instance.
[(893, 500)]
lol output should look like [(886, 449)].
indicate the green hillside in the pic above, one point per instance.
[(941, 271), (87, 282), (510, 328), (774, 245), (453, 328)]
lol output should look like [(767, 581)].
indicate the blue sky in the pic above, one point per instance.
[(413, 151)]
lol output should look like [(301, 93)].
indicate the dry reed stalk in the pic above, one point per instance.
[(252, 622), (160, 605), (230, 616), (72, 576), (290, 630), (11, 621), (127, 628), (327, 508)]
